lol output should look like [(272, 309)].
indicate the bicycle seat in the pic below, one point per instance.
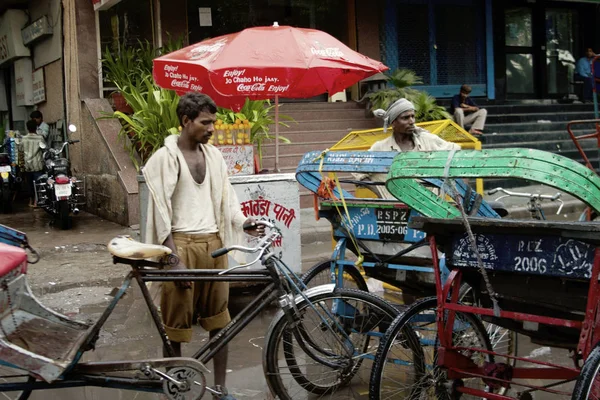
[(125, 247), (12, 258)]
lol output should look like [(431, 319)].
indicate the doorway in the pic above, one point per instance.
[(540, 50)]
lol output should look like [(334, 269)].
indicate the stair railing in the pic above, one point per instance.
[(576, 139)]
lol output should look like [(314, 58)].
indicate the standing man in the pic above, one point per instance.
[(583, 72), (406, 136), (43, 129), (465, 111), (193, 210), (34, 160)]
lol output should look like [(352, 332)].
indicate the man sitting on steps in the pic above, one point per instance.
[(466, 111)]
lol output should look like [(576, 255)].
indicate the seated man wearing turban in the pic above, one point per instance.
[(406, 136)]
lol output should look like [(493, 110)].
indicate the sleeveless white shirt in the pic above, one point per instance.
[(193, 210)]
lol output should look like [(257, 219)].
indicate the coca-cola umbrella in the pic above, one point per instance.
[(262, 63)]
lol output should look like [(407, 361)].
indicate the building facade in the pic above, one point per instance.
[(51, 51), (505, 49)]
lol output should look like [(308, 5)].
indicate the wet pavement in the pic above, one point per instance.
[(76, 276)]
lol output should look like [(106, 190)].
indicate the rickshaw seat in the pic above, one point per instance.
[(13, 258), (34, 338)]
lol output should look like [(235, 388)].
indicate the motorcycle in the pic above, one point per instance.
[(8, 181), (59, 193)]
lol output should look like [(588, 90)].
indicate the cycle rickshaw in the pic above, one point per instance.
[(537, 278)]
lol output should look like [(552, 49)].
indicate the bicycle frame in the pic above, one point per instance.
[(143, 271), (72, 377), (217, 342)]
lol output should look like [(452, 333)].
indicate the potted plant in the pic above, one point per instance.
[(119, 71), (402, 80), (154, 117)]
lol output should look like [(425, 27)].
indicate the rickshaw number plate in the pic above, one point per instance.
[(537, 255), (378, 223)]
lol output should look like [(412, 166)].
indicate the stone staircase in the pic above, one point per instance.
[(318, 126), (538, 126), (531, 124)]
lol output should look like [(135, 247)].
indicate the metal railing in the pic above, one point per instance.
[(576, 139)]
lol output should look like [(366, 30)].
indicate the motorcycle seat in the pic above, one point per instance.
[(13, 258), (125, 247)]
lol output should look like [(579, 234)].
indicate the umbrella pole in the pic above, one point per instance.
[(277, 133)]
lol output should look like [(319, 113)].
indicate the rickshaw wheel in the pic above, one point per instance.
[(504, 341), (297, 352), (588, 383), (320, 274), (398, 374)]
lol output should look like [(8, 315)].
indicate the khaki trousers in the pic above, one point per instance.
[(207, 300), (476, 119)]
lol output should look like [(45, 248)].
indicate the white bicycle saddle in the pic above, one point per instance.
[(125, 247)]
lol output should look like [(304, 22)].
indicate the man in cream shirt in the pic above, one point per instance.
[(193, 210), (406, 136)]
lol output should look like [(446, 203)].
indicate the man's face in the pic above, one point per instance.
[(38, 121), (464, 94), (201, 128), (589, 53), (405, 123)]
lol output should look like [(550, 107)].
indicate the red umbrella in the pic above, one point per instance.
[(264, 62)]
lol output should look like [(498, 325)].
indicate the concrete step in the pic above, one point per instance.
[(565, 148), (311, 136), (328, 125), (497, 109), (318, 105), (539, 116), (538, 108), (296, 148), (516, 137), (326, 113), (534, 126)]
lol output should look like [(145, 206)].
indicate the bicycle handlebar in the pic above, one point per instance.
[(263, 244), (530, 196), (523, 194)]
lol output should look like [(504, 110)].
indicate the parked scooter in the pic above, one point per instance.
[(8, 182), (59, 193)]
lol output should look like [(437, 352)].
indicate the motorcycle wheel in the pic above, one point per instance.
[(64, 219)]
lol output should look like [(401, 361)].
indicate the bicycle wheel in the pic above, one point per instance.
[(328, 348), (504, 341), (588, 383), (422, 379), (321, 274)]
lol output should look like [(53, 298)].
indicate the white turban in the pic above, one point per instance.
[(393, 112)]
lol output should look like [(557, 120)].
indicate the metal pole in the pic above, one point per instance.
[(277, 133), (595, 99), (594, 88)]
